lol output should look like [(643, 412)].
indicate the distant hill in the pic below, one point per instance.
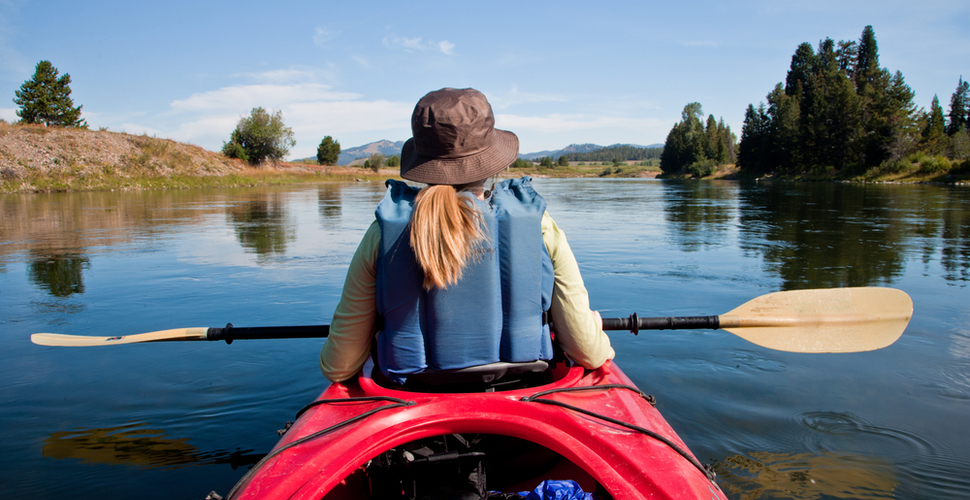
[(582, 148), (572, 148), (388, 149), (621, 152)]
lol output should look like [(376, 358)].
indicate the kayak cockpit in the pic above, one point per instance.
[(461, 466)]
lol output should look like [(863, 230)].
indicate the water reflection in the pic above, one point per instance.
[(261, 225), (137, 446), (74, 223), (60, 275), (823, 235), (329, 203), (700, 213), (805, 476), (955, 256)]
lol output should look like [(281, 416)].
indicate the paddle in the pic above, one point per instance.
[(825, 320)]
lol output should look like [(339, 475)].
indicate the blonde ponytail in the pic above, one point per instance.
[(444, 231)]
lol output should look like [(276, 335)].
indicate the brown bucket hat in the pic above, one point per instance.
[(455, 140)]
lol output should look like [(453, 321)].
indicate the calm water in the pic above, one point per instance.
[(176, 420)]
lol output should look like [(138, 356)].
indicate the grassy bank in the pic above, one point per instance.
[(48, 159), (249, 177)]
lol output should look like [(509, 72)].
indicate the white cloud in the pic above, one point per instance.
[(283, 75), (447, 47), (514, 97), (312, 110), (322, 35), (242, 98), (418, 44)]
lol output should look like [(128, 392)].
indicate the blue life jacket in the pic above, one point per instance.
[(494, 313)]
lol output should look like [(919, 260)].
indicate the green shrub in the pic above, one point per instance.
[(934, 164), (235, 150), (702, 168), (262, 136)]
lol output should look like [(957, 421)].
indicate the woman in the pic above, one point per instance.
[(451, 276)]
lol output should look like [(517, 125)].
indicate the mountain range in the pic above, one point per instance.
[(388, 149)]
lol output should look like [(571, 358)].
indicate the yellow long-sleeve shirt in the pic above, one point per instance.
[(352, 329)]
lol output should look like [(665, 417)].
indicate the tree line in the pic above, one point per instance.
[(838, 112), (695, 148), (618, 152)]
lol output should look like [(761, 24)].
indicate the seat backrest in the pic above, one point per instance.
[(490, 377)]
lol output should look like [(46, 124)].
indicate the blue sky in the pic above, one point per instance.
[(556, 73)]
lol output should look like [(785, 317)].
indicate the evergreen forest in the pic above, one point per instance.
[(839, 114), (695, 148), (623, 152)]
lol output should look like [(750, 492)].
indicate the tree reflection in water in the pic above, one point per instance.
[(59, 275), (138, 446), (805, 476), (260, 225)]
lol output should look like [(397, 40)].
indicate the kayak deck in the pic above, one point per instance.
[(594, 427)]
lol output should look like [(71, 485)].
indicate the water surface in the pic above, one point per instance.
[(176, 420)]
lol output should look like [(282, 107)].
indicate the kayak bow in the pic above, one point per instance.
[(594, 427)]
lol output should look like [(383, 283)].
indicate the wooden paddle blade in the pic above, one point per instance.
[(823, 320), (60, 340)]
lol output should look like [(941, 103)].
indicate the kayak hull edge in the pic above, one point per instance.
[(321, 453)]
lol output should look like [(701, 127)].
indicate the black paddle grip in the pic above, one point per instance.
[(230, 333), (635, 323)]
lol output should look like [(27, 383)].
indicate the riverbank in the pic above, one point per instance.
[(45, 159), (37, 159)]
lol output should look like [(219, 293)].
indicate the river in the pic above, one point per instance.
[(176, 420)]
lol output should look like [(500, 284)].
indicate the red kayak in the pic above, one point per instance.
[(362, 440)]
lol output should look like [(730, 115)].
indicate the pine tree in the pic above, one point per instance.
[(959, 107), (847, 56), (802, 66), (934, 131), (46, 99), (729, 141), (328, 152), (783, 113), (936, 124), (754, 146), (711, 139), (867, 60)]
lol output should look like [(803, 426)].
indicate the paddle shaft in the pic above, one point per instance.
[(633, 324), (230, 333)]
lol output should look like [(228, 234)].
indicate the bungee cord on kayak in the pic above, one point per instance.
[(397, 403), (538, 398)]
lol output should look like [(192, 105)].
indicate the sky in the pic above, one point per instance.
[(555, 72)]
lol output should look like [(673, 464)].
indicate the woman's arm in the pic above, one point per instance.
[(352, 328), (578, 329)]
